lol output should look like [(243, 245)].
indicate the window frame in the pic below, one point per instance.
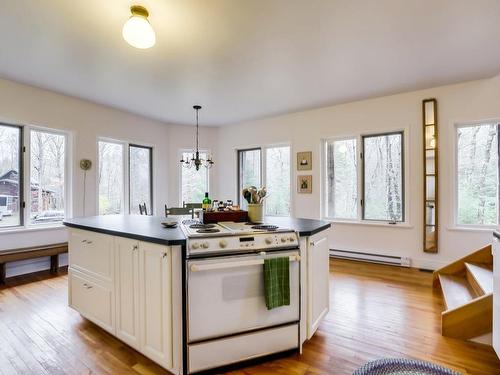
[(325, 179), (263, 167), (403, 179), (263, 171), (25, 177), (67, 175), (22, 196), (125, 208), (181, 152), (359, 220), (150, 148), (239, 153), (457, 126)]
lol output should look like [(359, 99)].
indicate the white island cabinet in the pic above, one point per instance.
[(315, 276), (318, 256), (125, 287), (129, 276)]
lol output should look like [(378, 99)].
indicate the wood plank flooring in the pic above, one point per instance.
[(376, 311)]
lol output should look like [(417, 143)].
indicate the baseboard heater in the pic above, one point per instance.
[(373, 258)]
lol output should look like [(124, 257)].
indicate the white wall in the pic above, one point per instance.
[(22, 104), (468, 101), (86, 121)]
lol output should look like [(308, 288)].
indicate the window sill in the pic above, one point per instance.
[(26, 229), (371, 223), (458, 228)]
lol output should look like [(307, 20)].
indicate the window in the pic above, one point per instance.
[(383, 177), (249, 171), (123, 182), (478, 174), (276, 178), (47, 177), (39, 192), (11, 176), (378, 193), (278, 181), (110, 178), (342, 179), (140, 178), (194, 184)]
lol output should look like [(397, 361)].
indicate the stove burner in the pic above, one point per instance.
[(207, 230), (202, 226), (265, 227)]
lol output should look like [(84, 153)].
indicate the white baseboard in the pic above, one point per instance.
[(373, 257), (370, 257), (427, 264)]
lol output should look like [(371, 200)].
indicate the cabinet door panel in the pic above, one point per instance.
[(155, 302), (127, 290), (92, 300), (318, 282)]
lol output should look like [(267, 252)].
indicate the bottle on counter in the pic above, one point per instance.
[(206, 203)]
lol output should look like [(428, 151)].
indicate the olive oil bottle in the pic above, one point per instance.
[(206, 203)]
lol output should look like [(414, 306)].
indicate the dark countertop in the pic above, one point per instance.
[(149, 228), (143, 228), (305, 227)]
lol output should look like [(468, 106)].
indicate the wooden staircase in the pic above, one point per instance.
[(467, 286)]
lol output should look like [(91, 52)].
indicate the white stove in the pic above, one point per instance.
[(231, 237), (228, 320)]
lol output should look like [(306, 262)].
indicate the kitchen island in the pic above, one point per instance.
[(129, 275)]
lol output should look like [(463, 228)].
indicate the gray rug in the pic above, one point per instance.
[(402, 366)]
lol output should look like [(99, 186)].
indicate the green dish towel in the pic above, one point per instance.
[(277, 282)]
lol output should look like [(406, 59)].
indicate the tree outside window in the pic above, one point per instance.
[(478, 174)]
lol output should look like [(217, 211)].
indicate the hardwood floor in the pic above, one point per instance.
[(376, 311)]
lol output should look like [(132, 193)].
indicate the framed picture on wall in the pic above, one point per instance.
[(304, 161), (304, 184)]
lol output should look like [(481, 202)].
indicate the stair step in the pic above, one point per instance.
[(456, 291), (480, 277)]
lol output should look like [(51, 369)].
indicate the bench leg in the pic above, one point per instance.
[(54, 263), (2, 273)]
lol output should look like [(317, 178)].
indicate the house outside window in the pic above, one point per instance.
[(39, 192)]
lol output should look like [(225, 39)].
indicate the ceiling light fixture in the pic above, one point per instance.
[(137, 31), (195, 157)]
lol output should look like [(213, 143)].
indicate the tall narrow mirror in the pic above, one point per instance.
[(430, 142)]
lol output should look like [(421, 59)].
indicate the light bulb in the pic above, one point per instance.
[(137, 31)]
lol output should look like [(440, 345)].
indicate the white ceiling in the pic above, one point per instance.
[(243, 59)]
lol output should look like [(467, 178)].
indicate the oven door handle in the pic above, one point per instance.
[(243, 263)]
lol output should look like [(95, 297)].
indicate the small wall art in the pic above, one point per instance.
[(304, 184), (304, 161)]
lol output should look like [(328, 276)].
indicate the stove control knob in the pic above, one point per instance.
[(291, 239), (283, 239), (205, 245), (223, 243), (195, 245), (269, 240)]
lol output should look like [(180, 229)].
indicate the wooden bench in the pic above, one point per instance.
[(33, 252)]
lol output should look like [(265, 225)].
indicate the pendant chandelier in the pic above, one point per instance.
[(195, 160)]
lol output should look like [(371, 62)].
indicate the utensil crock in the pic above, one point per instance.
[(256, 212)]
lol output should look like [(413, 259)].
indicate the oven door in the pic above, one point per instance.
[(226, 295)]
